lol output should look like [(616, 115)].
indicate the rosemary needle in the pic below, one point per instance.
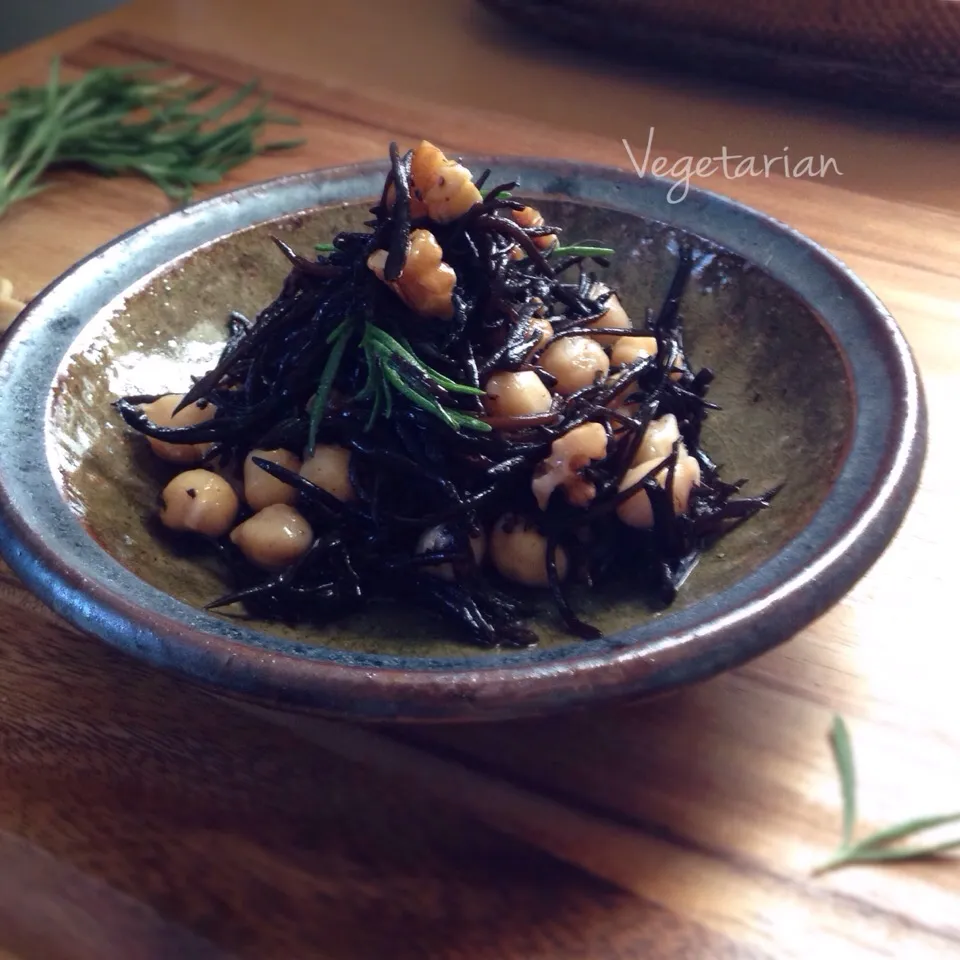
[(382, 352), (117, 120), (878, 847), (582, 250)]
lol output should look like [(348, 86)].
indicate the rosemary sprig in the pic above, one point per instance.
[(385, 357), (403, 350), (117, 120), (877, 847), (318, 404), (383, 352)]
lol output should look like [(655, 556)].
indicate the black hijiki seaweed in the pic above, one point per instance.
[(364, 551)]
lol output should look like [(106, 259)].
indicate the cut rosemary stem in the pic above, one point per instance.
[(877, 847), (118, 120)]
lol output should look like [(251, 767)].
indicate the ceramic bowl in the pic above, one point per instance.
[(816, 383)]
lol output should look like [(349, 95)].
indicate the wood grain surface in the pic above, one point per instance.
[(141, 818)]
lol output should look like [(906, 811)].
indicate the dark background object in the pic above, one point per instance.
[(22, 21), (899, 54)]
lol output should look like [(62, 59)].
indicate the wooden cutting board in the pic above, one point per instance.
[(138, 817)]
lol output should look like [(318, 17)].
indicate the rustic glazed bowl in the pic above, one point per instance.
[(817, 386)]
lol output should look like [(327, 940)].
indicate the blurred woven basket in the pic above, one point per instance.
[(892, 53)]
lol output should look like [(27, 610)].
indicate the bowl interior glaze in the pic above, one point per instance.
[(787, 407)]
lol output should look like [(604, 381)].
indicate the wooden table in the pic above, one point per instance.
[(140, 818)]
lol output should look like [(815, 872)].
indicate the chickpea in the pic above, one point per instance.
[(677, 365), (9, 311), (576, 362), (658, 439), (531, 217), (677, 374), (619, 400), (274, 537), (626, 409), (613, 316), (569, 454), (260, 488), (637, 511), (686, 477), (440, 539), (519, 552), (631, 349), (229, 471), (543, 327), (199, 501), (441, 188), (427, 281), (160, 412), (329, 467), (10, 306), (517, 395)]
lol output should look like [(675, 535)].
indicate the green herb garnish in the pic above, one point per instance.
[(324, 247), (877, 847), (318, 404), (582, 250), (385, 357), (116, 120), (382, 352), (403, 350)]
